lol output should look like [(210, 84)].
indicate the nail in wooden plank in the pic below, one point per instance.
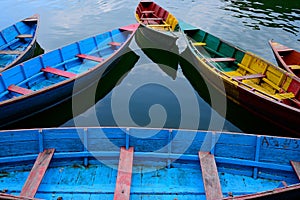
[(37, 173), (210, 176), (58, 72), (296, 167), (88, 57), (122, 191)]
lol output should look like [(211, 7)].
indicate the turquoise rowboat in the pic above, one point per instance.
[(137, 163), (18, 42)]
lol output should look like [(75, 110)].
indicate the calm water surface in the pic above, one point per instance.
[(146, 95)]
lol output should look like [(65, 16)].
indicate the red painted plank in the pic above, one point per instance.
[(122, 191), (24, 36), (18, 89), (221, 59), (37, 173), (115, 43), (250, 76), (210, 176), (296, 167), (131, 27), (93, 58), (58, 72)]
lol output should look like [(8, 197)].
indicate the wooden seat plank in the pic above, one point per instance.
[(37, 173), (210, 176), (250, 76), (89, 57), (9, 52), (199, 43), (22, 36), (221, 59), (147, 11), (296, 167), (294, 67), (19, 90), (115, 43), (151, 18), (59, 72), (123, 184)]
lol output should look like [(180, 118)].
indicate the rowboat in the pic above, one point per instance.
[(18, 42), (138, 163), (287, 58), (50, 79), (158, 26), (261, 88)]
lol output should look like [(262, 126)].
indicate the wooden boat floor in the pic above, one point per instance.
[(98, 181)]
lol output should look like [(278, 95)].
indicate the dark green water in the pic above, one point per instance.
[(139, 92)]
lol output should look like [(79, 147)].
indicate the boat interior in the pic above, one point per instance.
[(154, 16), (15, 39)]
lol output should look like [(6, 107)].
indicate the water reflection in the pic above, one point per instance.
[(268, 13)]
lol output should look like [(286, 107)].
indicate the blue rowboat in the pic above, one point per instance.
[(138, 163), (55, 77), (18, 42)]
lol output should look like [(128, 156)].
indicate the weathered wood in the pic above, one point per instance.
[(221, 59), (13, 197), (19, 90), (88, 57), (37, 173), (296, 167), (23, 36), (122, 191), (250, 76), (210, 176), (8, 52), (58, 72)]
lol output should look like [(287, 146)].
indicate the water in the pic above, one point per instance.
[(145, 95)]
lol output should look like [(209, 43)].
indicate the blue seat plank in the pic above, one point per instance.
[(210, 176), (122, 191), (37, 173)]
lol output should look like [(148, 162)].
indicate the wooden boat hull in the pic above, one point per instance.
[(20, 38), (24, 106), (265, 107), (162, 29), (287, 58), (158, 163)]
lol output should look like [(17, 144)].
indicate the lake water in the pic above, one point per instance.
[(145, 95)]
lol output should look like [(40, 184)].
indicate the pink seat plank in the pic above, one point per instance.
[(296, 167), (210, 176), (58, 72), (93, 58), (250, 76), (221, 59), (37, 173), (19, 90), (122, 191)]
